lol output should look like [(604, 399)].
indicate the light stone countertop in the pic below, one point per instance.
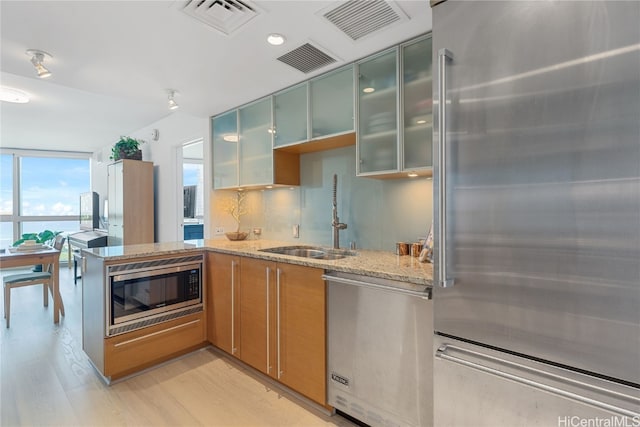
[(380, 264)]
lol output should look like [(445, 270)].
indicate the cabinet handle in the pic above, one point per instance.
[(444, 55), (278, 318), (233, 307), (268, 328), (164, 331)]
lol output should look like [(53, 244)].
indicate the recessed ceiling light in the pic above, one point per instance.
[(9, 94), (275, 39), (230, 138), (269, 186), (421, 122), (412, 174), (368, 90)]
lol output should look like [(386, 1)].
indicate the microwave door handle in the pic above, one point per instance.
[(444, 56)]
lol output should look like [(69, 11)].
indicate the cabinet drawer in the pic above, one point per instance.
[(127, 353)]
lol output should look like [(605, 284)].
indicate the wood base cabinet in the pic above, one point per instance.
[(257, 314), (283, 324), (272, 317), (301, 330), (222, 301), (134, 351), (121, 355)]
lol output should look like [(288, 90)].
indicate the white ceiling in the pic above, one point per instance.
[(113, 60)]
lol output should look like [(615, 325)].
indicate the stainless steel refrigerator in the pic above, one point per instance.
[(537, 213)]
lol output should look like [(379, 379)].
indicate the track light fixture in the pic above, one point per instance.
[(173, 105), (37, 58)]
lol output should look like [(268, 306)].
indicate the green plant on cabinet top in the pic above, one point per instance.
[(126, 148)]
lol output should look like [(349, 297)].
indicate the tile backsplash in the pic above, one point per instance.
[(378, 212)]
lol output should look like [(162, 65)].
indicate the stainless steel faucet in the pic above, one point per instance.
[(335, 223)]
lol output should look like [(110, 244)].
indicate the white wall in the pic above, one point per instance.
[(174, 130)]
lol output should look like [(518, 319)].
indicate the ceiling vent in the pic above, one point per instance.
[(306, 58), (225, 16), (359, 18)]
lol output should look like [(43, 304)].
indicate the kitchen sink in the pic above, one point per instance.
[(314, 252)]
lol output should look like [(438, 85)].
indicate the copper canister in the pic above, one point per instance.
[(416, 248), (402, 248)]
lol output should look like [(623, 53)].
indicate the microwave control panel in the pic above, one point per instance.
[(193, 284)]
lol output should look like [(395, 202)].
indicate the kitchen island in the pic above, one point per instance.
[(267, 310)]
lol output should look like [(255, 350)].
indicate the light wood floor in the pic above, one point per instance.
[(46, 379)]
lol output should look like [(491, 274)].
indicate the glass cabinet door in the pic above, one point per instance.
[(378, 110), (256, 150), (417, 91), (290, 116), (225, 150), (332, 103)]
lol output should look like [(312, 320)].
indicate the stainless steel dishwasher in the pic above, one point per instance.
[(379, 361)]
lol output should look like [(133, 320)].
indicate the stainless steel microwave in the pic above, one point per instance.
[(144, 293)]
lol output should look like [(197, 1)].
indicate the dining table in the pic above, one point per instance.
[(13, 257)]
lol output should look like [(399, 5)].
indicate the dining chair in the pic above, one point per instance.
[(44, 277)]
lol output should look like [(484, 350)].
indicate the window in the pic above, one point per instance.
[(45, 186), (51, 186)]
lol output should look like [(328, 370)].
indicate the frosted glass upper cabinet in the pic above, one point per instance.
[(332, 103), (417, 108), (377, 136), (224, 134), (394, 112), (317, 114), (291, 115), (255, 145)]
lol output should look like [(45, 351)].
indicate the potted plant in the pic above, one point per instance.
[(126, 148), (237, 208), (45, 237)]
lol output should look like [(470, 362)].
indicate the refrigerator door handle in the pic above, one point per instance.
[(442, 353), (444, 56)]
